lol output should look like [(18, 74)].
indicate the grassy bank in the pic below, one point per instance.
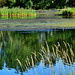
[(16, 13), (69, 12)]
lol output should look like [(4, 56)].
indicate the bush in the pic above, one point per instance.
[(69, 12)]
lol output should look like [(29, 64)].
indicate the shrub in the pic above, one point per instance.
[(69, 12)]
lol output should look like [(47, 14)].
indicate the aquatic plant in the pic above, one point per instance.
[(17, 13), (65, 55)]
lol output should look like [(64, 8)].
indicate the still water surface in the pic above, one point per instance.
[(20, 44)]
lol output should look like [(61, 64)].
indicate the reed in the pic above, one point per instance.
[(17, 13), (66, 54)]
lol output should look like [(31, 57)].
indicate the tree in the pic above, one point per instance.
[(9, 3), (19, 3), (2, 3), (59, 3), (71, 3)]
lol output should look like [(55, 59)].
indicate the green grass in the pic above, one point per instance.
[(16, 13), (69, 12)]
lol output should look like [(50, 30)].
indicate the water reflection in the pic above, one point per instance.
[(20, 45), (16, 17)]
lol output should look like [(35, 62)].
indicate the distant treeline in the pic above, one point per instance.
[(38, 4)]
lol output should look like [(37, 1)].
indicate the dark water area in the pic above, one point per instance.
[(16, 46)]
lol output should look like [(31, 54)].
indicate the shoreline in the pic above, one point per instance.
[(37, 29), (47, 21)]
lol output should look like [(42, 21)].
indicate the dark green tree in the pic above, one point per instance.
[(59, 3), (71, 3), (2, 3)]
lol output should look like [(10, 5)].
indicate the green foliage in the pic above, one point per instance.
[(19, 46), (43, 4), (71, 3), (2, 3), (69, 12), (17, 13), (73, 9), (59, 3), (30, 3)]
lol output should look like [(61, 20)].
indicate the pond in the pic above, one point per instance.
[(17, 46), (42, 45)]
